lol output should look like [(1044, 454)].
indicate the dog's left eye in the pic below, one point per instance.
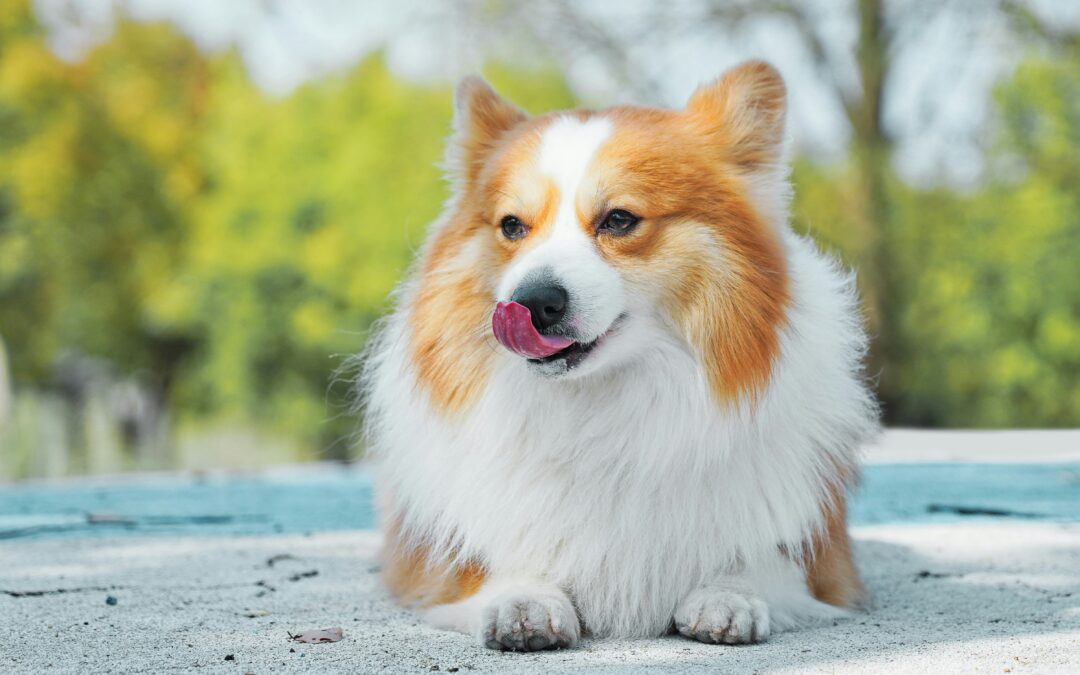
[(618, 221), (513, 228)]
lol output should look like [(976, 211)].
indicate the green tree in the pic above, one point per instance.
[(96, 163), (987, 317), (990, 321), (158, 211), (319, 201)]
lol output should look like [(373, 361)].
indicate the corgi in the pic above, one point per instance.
[(618, 395)]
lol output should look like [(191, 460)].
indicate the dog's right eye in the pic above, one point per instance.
[(513, 228)]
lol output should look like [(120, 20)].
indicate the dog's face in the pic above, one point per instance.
[(579, 240)]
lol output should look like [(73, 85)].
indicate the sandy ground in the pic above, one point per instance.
[(991, 597)]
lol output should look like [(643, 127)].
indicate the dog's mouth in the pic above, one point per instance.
[(513, 328), (573, 355)]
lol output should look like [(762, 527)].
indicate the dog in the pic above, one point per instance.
[(617, 394)]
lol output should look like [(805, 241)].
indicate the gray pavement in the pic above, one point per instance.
[(981, 597)]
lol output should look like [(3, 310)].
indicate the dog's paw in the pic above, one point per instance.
[(527, 621), (720, 615)]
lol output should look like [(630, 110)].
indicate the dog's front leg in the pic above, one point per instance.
[(515, 614), (726, 611)]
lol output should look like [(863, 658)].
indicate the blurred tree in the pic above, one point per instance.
[(96, 163), (987, 319), (159, 211), (989, 334), (319, 200)]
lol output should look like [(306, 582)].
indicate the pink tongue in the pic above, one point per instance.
[(513, 328)]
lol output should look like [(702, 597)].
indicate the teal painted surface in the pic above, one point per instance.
[(921, 493), (340, 498), (308, 500)]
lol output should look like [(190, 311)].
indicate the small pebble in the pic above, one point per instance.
[(111, 600)]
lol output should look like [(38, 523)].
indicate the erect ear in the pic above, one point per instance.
[(743, 112), (481, 117)]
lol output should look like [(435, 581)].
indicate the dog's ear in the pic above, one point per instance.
[(743, 112), (481, 118)]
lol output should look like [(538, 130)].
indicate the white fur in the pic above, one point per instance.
[(727, 611), (510, 612), (566, 253), (630, 489)]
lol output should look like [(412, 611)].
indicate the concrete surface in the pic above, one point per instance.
[(963, 597), (1006, 446)]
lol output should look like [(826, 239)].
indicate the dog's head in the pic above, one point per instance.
[(578, 240)]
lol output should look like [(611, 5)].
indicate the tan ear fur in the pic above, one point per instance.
[(743, 112), (481, 120)]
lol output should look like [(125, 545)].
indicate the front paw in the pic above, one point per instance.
[(529, 621), (720, 615)]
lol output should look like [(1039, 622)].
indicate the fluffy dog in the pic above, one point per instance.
[(618, 394)]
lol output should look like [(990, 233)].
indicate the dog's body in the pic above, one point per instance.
[(667, 442)]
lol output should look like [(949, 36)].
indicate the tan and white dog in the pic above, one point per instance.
[(618, 395)]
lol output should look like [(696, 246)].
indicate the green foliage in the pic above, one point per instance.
[(992, 319), (987, 313), (159, 211), (317, 201), (91, 188)]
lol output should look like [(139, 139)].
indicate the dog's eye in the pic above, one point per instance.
[(513, 228), (618, 221)]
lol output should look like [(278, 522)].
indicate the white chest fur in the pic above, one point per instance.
[(629, 489)]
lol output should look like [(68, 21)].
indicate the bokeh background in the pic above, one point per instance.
[(203, 204)]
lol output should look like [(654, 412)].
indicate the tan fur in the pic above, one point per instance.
[(683, 172), (729, 300), (830, 569), (484, 119), (450, 339), (416, 580), (744, 110)]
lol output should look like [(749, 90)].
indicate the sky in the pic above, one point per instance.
[(949, 55)]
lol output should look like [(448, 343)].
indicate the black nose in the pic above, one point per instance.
[(546, 303)]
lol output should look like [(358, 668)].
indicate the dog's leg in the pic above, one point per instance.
[(830, 571), (769, 596), (727, 611), (515, 615)]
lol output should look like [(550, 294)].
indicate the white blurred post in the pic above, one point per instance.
[(5, 390)]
